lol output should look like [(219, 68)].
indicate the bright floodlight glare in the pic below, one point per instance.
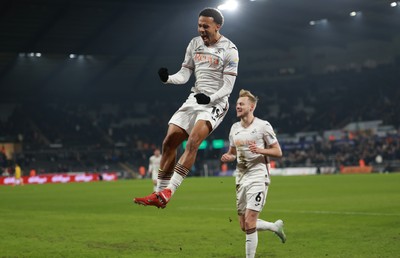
[(393, 4), (353, 14), (318, 22), (72, 56), (38, 54), (229, 5)]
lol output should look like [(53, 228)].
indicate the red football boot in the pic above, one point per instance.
[(159, 199)]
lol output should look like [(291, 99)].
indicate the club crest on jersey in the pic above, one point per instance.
[(218, 51), (200, 48)]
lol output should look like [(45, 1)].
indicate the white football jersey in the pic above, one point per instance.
[(209, 63), (154, 165), (251, 166)]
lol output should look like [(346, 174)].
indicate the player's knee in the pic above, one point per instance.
[(249, 225)]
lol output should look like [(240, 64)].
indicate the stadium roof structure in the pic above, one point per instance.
[(116, 30)]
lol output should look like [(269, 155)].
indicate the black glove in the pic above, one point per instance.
[(202, 98), (163, 73)]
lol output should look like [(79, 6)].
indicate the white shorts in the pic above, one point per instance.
[(251, 196), (190, 112)]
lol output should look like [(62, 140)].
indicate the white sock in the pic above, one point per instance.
[(251, 244), (161, 184), (162, 180), (180, 173), (263, 225)]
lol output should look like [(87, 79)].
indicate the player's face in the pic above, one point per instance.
[(243, 107), (208, 30)]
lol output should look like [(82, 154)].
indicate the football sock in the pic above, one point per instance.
[(263, 225), (251, 242), (180, 172), (162, 180)]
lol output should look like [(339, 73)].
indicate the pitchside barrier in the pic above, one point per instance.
[(293, 171), (62, 178), (299, 171), (356, 170)]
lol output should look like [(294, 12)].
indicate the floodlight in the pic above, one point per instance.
[(322, 21), (393, 4), (229, 5), (355, 13)]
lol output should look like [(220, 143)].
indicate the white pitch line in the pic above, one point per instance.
[(352, 213), (337, 212)]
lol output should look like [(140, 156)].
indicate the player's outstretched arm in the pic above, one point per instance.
[(181, 77), (163, 73)]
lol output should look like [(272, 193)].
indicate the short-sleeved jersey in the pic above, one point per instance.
[(210, 63), (251, 166)]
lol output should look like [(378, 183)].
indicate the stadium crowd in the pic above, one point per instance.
[(64, 136)]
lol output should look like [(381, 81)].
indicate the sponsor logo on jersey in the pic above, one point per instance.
[(239, 143), (212, 60)]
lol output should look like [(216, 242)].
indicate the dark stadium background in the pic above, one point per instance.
[(104, 108)]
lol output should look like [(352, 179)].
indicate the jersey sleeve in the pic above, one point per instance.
[(188, 62), (231, 62), (269, 134), (231, 132)]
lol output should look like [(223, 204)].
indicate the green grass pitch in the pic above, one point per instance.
[(325, 216)]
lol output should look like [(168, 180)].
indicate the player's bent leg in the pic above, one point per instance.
[(279, 231), (175, 136), (276, 227)]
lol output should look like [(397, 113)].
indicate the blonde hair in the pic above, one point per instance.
[(245, 93)]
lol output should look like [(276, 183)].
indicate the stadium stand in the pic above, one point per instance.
[(310, 115)]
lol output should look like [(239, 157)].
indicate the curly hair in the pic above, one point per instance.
[(214, 13)]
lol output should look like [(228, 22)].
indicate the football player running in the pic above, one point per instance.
[(252, 141)]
